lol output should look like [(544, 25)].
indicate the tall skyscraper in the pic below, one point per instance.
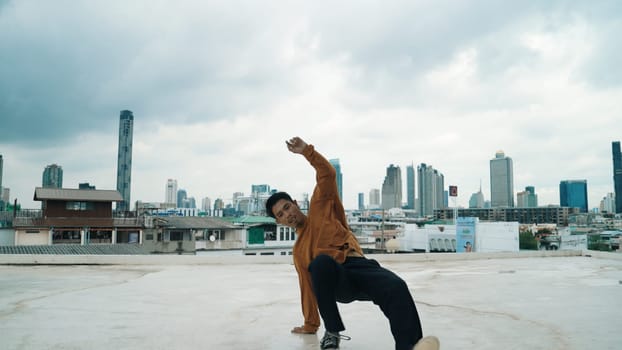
[(206, 205), (392, 188), (361, 201), (527, 198), (374, 198), (337, 166), (573, 193), (1, 165), (410, 187), (2, 201), (617, 175), (124, 159), (219, 204), (501, 181), (608, 203), (431, 189), (182, 196), (477, 199), (52, 176), (171, 191)]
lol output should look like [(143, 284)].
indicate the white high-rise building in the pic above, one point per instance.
[(608, 203), (501, 181), (171, 191), (431, 189), (206, 205), (374, 198)]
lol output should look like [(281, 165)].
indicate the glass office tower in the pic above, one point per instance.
[(573, 193)]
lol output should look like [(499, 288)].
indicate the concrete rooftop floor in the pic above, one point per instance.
[(567, 302)]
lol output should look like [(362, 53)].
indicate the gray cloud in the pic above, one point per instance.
[(68, 71)]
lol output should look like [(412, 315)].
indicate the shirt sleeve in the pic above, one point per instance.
[(325, 173), (308, 301)]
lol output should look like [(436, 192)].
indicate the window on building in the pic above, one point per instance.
[(215, 235), (269, 236), (79, 206), (177, 236), (282, 233)]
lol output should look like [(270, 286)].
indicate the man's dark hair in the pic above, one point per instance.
[(275, 198)]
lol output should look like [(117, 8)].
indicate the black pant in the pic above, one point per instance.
[(364, 279)]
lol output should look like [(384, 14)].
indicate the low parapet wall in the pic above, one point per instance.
[(36, 259)]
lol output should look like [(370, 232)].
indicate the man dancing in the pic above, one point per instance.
[(332, 268)]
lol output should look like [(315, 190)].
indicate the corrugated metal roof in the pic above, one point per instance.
[(72, 194), (189, 222), (74, 249), (251, 219)]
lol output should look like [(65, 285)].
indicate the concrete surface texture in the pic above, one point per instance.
[(516, 303)]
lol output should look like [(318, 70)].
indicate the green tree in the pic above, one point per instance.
[(527, 241)]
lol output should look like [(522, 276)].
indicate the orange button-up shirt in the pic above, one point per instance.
[(325, 232)]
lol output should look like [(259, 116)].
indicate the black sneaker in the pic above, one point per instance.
[(331, 340)]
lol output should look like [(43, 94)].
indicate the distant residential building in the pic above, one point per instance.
[(608, 204), (532, 198), (124, 159), (573, 193), (552, 214), (527, 198), (261, 189), (5, 195), (361, 198), (337, 166), (303, 204), (431, 192), (206, 205), (410, 187), (52, 176), (75, 216), (501, 181), (219, 204), (374, 198), (192, 203), (617, 175), (392, 188), (171, 191)]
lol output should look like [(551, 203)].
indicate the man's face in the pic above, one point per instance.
[(287, 213)]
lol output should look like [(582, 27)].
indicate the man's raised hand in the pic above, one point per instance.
[(296, 145)]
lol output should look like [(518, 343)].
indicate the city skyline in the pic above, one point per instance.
[(216, 92)]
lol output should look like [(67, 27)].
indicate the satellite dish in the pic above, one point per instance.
[(212, 238)]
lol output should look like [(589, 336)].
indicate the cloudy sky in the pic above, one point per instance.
[(216, 87)]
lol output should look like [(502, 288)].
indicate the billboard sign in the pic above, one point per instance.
[(465, 235), (453, 191)]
